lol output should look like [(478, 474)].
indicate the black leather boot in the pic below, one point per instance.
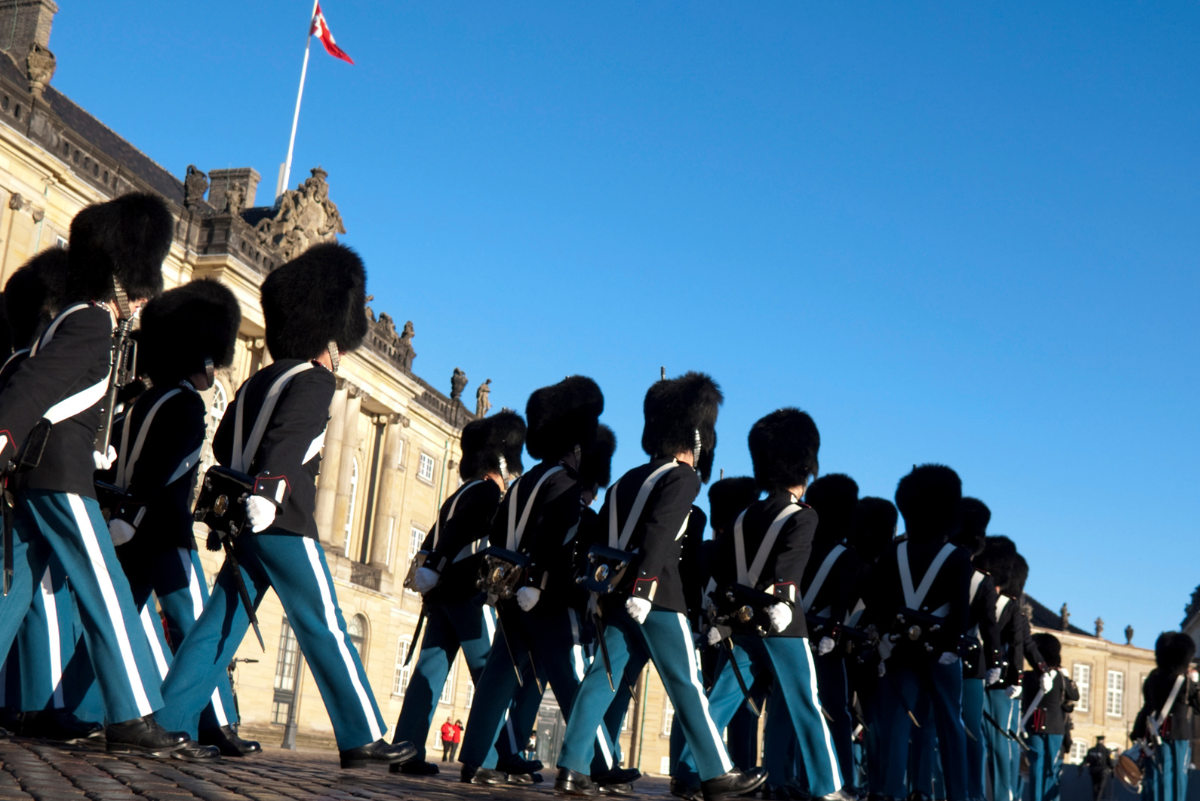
[(62, 726), (414, 767), (143, 736), (378, 751), (193, 751), (617, 776), (838, 795), (472, 774), (228, 743), (571, 783), (735, 782), (685, 790)]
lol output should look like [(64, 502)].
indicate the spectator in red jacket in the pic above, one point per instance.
[(458, 730), (449, 743)]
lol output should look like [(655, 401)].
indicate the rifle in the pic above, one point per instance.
[(124, 371)]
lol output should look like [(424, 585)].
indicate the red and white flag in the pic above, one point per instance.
[(320, 29)]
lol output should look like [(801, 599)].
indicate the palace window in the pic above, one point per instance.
[(285, 675), (425, 470), (668, 716), (448, 688), (356, 630), (1114, 702), (470, 693), (1078, 753), (1082, 674), (402, 674)]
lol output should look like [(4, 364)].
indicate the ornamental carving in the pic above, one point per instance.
[(303, 217), (194, 186), (39, 67)]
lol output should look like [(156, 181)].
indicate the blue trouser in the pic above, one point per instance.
[(666, 639), (619, 708), (67, 526), (1045, 765), (779, 742), (972, 714), (295, 567), (1003, 753), (834, 693), (790, 661), (908, 687), (45, 642), (1166, 779), (925, 766), (874, 743)]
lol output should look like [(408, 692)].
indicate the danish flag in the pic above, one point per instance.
[(320, 29)]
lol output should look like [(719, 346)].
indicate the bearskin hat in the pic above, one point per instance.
[(183, 327), (316, 298), (1174, 651), (929, 498), (873, 527), (486, 440), (33, 295), (126, 238), (562, 416), (1050, 648), (727, 499), (835, 497), (973, 531), (595, 468), (676, 409), (1018, 577), (997, 559), (783, 448)]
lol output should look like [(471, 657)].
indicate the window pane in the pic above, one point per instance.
[(400, 678), (1115, 697), (426, 469), (470, 693), (668, 716), (1082, 674), (279, 712), (285, 666), (448, 688)]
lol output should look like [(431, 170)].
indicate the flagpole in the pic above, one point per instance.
[(287, 167)]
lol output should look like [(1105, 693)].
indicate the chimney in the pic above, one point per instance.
[(24, 23), (234, 188)]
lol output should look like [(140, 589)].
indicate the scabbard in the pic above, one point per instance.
[(6, 507), (416, 640), (508, 647), (603, 649), (737, 674), (242, 591)]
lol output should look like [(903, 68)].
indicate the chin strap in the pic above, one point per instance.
[(504, 471), (209, 372), (334, 358), (696, 450)]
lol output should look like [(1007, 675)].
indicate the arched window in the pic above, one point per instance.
[(356, 629), (401, 676), (350, 506), (220, 401)]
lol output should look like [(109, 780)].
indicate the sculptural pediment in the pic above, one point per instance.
[(302, 217)]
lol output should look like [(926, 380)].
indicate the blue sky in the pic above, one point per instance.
[(964, 234)]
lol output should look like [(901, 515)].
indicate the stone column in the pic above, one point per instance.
[(387, 497), (337, 531), (331, 459)]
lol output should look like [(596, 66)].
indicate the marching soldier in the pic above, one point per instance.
[(1048, 698), (185, 334), (114, 266), (1099, 764), (273, 432), (491, 458), (1171, 701), (646, 512), (764, 562)]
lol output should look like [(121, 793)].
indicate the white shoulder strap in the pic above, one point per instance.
[(13, 356), (126, 466), (437, 527), (976, 580), (749, 576), (1158, 722), (806, 600), (914, 598), (516, 531), (244, 455), (48, 334), (1001, 602), (621, 540)]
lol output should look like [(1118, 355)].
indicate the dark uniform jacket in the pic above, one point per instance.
[(1050, 717), (691, 571), (984, 625), (475, 504), (288, 459), (165, 471), (657, 537), (783, 570), (78, 357), (1182, 715), (1099, 760), (837, 595)]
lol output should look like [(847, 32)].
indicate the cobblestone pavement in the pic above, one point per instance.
[(34, 770)]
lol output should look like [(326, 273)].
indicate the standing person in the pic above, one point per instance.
[(1048, 698), (491, 458), (313, 310), (447, 741), (647, 614), (1099, 764), (114, 265), (1000, 710), (1171, 701), (185, 334), (456, 739)]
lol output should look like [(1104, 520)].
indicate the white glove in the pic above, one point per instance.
[(426, 579), (120, 531), (104, 461), (991, 677), (714, 636), (1013, 692), (260, 513), (882, 670), (1048, 680), (1194, 676), (780, 615), (527, 598), (825, 646), (947, 658), (638, 608)]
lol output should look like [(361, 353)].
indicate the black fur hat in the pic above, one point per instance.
[(727, 499), (783, 448), (1018, 577), (126, 238), (562, 416), (835, 497), (316, 298), (930, 498), (873, 527), (1050, 648), (34, 294), (997, 559), (486, 440), (183, 327), (595, 468), (675, 410), (973, 531), (1174, 651)]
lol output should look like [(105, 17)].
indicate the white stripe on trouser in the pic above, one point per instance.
[(112, 606), (189, 569), (1008, 758), (148, 624), (580, 669), (812, 686), (694, 677), (490, 623), (310, 548), (52, 635)]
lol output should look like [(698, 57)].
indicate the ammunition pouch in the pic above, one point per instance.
[(221, 503), (970, 651), (743, 609), (418, 562), (501, 573), (916, 632), (604, 569)]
